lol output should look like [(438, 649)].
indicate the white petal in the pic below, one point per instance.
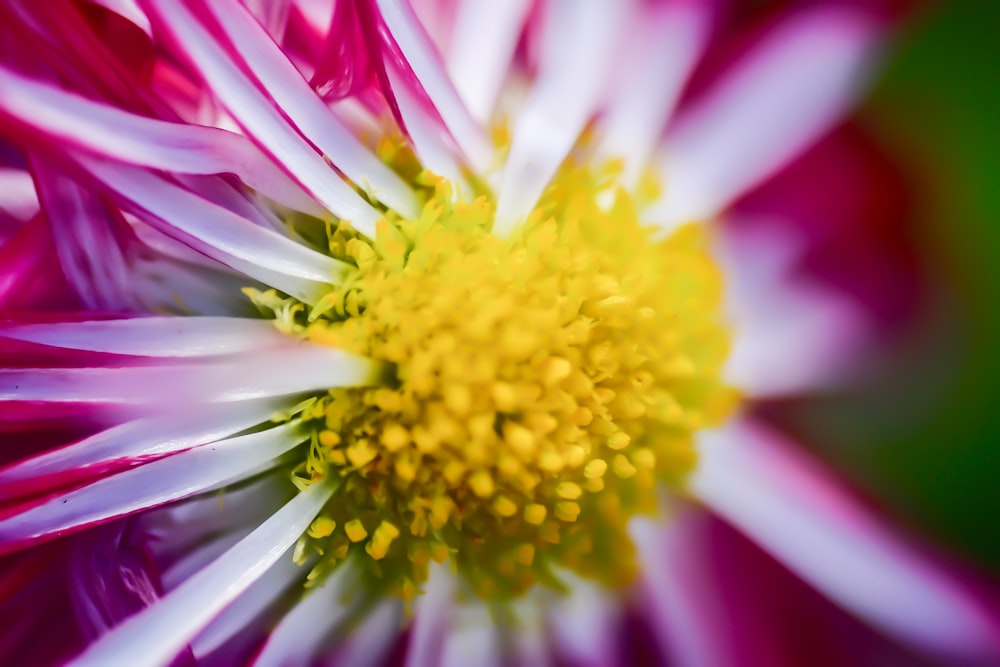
[(156, 634), (431, 619), (155, 336), (423, 59), (482, 46), (139, 439), (17, 193), (660, 56), (774, 104), (473, 638), (368, 644), (275, 372), (755, 480), (578, 41), (584, 623), (178, 476)]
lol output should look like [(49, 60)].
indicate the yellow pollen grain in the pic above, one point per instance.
[(535, 514), (595, 469), (355, 530), (322, 527)]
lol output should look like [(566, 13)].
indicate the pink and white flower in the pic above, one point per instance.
[(158, 155)]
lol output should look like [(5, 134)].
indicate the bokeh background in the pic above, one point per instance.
[(923, 436)]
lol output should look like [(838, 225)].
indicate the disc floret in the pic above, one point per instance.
[(542, 385)]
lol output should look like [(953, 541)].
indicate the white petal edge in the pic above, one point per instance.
[(485, 35), (154, 336), (754, 479), (782, 97), (156, 634), (271, 372), (177, 476), (578, 41)]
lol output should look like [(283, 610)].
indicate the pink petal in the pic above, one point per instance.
[(17, 193), (754, 479), (156, 634), (794, 87)]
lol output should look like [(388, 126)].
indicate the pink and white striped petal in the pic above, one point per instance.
[(254, 112), (283, 82), (791, 89), (578, 42), (790, 335), (431, 619), (162, 481), (276, 372), (156, 634), (788, 505), (583, 624), (129, 443)]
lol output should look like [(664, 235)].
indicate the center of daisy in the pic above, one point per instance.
[(542, 386)]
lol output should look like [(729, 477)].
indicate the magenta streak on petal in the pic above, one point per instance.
[(112, 132), (129, 10), (164, 480), (158, 633), (306, 110), (259, 118), (129, 444), (217, 232), (432, 619), (755, 480), (422, 59), (578, 44), (30, 274), (344, 66), (781, 98), (271, 372)]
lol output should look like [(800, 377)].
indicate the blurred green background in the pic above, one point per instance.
[(924, 438)]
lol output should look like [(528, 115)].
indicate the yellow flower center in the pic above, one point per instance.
[(542, 386)]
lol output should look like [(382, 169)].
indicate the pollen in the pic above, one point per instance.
[(542, 386)]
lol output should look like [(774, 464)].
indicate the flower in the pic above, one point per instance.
[(352, 311)]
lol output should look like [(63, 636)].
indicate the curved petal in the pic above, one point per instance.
[(158, 633), (755, 480), (775, 103)]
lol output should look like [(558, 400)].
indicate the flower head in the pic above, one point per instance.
[(386, 313)]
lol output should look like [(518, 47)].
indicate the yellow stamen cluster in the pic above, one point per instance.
[(543, 385)]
